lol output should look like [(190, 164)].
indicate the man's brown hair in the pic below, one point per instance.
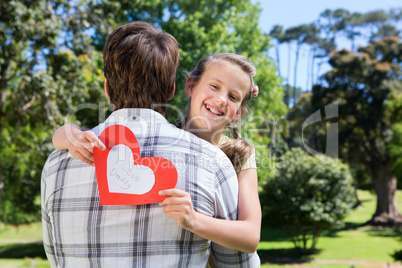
[(140, 63)]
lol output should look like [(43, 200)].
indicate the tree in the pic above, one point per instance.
[(278, 34), (325, 47), (307, 196), (315, 136), (332, 21), (312, 39), (374, 20), (362, 84), (386, 30), (394, 17), (41, 80), (300, 34), (353, 21), (21, 41), (394, 107), (394, 147), (289, 93)]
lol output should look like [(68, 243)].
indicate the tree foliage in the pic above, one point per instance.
[(394, 146), (307, 196), (46, 69)]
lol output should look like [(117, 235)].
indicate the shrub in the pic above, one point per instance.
[(397, 255), (306, 196)]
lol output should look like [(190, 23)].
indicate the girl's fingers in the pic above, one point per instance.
[(173, 192), (81, 141), (174, 201), (173, 214), (92, 138), (81, 157), (87, 154), (175, 208)]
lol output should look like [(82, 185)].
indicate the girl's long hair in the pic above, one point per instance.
[(237, 150)]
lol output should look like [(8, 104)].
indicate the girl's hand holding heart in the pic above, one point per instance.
[(178, 205)]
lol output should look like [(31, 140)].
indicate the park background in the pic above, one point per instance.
[(326, 126)]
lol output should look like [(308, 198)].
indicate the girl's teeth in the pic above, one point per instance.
[(212, 110)]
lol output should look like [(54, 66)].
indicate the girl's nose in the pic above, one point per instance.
[(221, 100)]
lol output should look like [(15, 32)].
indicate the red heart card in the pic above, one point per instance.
[(124, 178)]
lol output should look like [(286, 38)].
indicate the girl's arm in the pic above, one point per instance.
[(78, 142), (243, 234)]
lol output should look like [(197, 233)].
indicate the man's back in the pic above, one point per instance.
[(85, 234)]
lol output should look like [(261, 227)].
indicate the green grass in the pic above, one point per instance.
[(315, 265), (20, 247), (30, 232), (354, 242)]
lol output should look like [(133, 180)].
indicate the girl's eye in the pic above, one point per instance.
[(234, 98), (214, 86)]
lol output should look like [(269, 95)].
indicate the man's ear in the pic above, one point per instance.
[(106, 88), (239, 113), (171, 95), (189, 86)]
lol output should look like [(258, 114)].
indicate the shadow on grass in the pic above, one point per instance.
[(285, 256), (349, 226), (21, 251), (277, 234), (273, 234), (366, 200), (385, 231)]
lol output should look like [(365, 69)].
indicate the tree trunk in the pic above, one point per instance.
[(295, 75), (353, 43), (277, 58), (318, 71), (312, 72), (1, 186), (272, 142), (309, 56), (357, 203), (289, 61), (316, 235), (386, 213), (1, 173)]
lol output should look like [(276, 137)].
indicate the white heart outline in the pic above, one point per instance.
[(123, 176)]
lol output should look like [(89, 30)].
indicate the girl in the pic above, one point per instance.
[(218, 89)]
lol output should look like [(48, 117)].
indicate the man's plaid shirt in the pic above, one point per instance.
[(79, 232)]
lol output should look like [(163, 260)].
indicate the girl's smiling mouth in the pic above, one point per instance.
[(213, 110)]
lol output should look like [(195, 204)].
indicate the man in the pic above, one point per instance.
[(140, 64)]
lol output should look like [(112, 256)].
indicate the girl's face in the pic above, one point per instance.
[(216, 99)]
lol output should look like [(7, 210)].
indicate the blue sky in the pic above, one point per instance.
[(290, 13)]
